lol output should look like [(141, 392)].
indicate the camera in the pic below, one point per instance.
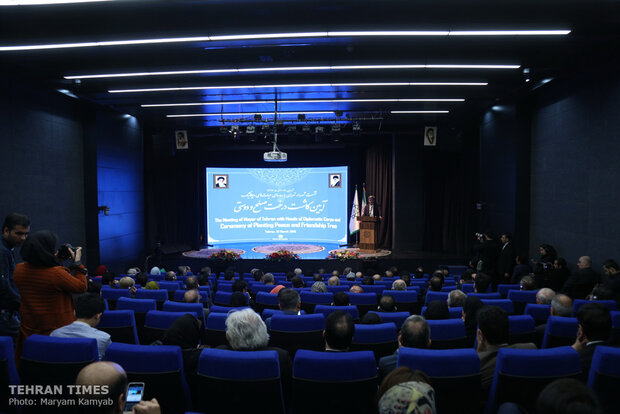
[(64, 253)]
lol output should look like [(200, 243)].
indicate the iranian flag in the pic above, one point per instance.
[(354, 225)]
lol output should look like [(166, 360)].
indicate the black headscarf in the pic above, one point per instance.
[(39, 249), (436, 310), (184, 332)]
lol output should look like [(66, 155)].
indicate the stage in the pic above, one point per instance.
[(312, 256)]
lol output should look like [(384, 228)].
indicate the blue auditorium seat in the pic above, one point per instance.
[(376, 289), (505, 304), (48, 360), (540, 313), (520, 374), (345, 382), (503, 289), (120, 325), (223, 298), (156, 323), (339, 288), (609, 304), (604, 377), (447, 334), (491, 295), (520, 298), (268, 313), (381, 339), (265, 300), (455, 312), (215, 331), (140, 307), (160, 367), (310, 299), (406, 300), (160, 295), (8, 373), (560, 331), (455, 375), (224, 287), (194, 308), (365, 302), (397, 317), (467, 288), (448, 288), (225, 309), (227, 378), (112, 295), (614, 339), (204, 296), (260, 287), (522, 329), (431, 296), (293, 332), (170, 286), (327, 310)]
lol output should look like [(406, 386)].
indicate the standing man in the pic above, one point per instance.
[(372, 209), (14, 231), (506, 259)]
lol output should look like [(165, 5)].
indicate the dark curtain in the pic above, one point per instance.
[(379, 183)]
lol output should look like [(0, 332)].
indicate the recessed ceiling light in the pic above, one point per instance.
[(393, 33), (288, 69), (420, 112), (252, 113), (298, 85), (287, 101)]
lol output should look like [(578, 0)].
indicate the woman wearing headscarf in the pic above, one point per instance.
[(46, 287)]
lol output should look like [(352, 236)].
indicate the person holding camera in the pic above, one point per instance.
[(45, 286)]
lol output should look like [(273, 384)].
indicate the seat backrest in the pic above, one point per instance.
[(431, 296), (161, 367), (225, 309), (560, 331), (609, 304), (156, 323), (160, 295), (540, 313), (49, 360), (169, 285), (505, 304), (339, 288), (223, 298), (8, 373), (215, 331), (226, 376), (265, 300), (455, 374), (448, 288), (455, 312), (614, 338), (520, 374), (381, 339), (467, 288), (405, 300), (448, 333), (520, 298), (137, 305), (397, 317), (327, 310), (491, 295), (293, 332), (522, 329), (310, 299), (335, 376), (604, 377), (503, 289), (120, 325), (196, 308), (268, 313)]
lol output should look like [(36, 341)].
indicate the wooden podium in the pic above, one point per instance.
[(368, 234)]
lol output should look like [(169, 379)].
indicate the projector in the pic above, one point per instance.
[(275, 156)]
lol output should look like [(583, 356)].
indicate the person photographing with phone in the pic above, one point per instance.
[(45, 286)]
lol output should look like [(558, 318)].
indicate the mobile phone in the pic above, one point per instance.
[(135, 391)]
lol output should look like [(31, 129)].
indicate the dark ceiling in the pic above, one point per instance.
[(594, 41)]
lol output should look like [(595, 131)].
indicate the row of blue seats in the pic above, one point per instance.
[(347, 379)]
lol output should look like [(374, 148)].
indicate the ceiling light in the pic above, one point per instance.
[(286, 101), (299, 85), (251, 113), (289, 69), (420, 112), (392, 33)]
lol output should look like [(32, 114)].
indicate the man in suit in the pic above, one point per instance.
[(594, 329), (338, 333), (506, 260), (372, 209), (415, 333), (289, 303), (487, 249), (581, 283)]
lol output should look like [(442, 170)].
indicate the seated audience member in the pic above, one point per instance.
[(341, 299), (567, 395), (298, 282), (108, 280), (561, 305), (88, 311), (440, 274), (612, 274), (406, 278), (238, 299), (356, 289), (601, 292), (435, 284), (317, 277), (152, 285), (277, 289), (155, 271), (193, 296), (240, 286), (288, 302), (544, 296), (339, 330), (437, 310), (482, 283), (408, 397), (456, 299), (528, 282), (186, 332), (582, 281), (350, 276), (182, 270), (388, 274), (191, 283), (522, 268), (398, 376), (470, 316), (376, 277), (367, 280), (229, 274), (493, 333), (290, 276), (132, 271), (335, 273), (387, 304), (359, 275), (399, 284), (259, 276), (142, 279), (347, 270), (556, 278), (268, 279), (126, 283), (318, 287), (170, 276), (114, 378), (246, 331), (334, 281), (298, 271), (371, 319), (419, 273), (466, 277), (415, 333), (594, 329)]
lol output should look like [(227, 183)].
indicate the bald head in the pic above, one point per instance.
[(399, 284), (545, 296), (334, 281), (561, 305), (584, 262), (191, 296), (356, 289), (107, 374)]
